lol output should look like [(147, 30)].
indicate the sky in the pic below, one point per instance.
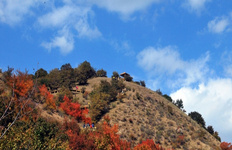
[(182, 47)]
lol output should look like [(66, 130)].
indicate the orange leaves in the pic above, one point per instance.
[(110, 139), (226, 146), (74, 109), (50, 101), (148, 145), (21, 83)]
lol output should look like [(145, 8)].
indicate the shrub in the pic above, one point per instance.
[(168, 97), (198, 118), (226, 146), (142, 83), (128, 78), (115, 75), (101, 73)]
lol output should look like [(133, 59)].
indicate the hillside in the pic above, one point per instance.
[(143, 114), (140, 114)]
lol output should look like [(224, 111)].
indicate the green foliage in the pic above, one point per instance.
[(99, 105), (142, 83), (168, 97), (137, 82), (41, 134), (128, 78), (41, 73), (159, 92), (198, 118), (54, 78), (115, 75), (101, 73), (210, 129), (102, 96), (179, 104), (64, 91), (84, 72), (8, 73), (67, 76)]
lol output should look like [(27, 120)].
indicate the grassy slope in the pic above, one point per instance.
[(154, 117)]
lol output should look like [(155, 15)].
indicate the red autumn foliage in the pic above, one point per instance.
[(226, 146), (77, 141), (148, 145), (22, 84), (22, 89), (74, 109), (50, 101), (109, 139)]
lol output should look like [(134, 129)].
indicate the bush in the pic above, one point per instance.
[(115, 75), (128, 78), (101, 73), (198, 118), (168, 97), (142, 83)]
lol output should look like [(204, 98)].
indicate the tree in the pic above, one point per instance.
[(67, 76), (19, 105), (148, 145), (41, 73), (179, 104), (99, 105), (101, 73), (128, 78), (49, 99), (226, 146), (167, 97), (74, 110), (8, 73), (66, 67), (115, 75), (210, 129), (142, 83), (86, 69), (198, 118), (54, 79)]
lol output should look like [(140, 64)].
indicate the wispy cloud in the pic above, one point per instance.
[(216, 96), (71, 17), (167, 61), (124, 8), (12, 12), (64, 42), (218, 25), (196, 6)]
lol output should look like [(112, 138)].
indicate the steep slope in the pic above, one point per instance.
[(143, 114)]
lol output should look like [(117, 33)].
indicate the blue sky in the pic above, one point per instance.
[(182, 47)]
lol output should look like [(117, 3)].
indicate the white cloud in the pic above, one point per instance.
[(71, 17), (64, 42), (13, 11), (195, 5), (125, 8), (167, 61), (218, 25), (84, 30), (212, 99)]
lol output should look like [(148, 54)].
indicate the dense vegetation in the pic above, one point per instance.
[(23, 127)]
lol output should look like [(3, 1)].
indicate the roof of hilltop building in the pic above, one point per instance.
[(124, 74)]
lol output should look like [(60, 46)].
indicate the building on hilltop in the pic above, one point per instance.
[(124, 74)]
